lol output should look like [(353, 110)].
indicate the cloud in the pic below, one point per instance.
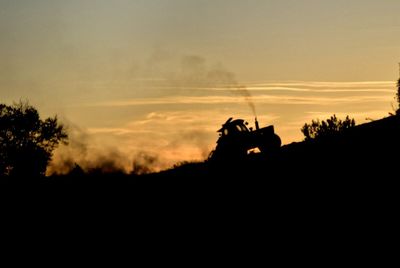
[(259, 99), (320, 84), (274, 93), (358, 116)]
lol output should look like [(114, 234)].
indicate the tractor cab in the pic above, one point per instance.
[(235, 127)]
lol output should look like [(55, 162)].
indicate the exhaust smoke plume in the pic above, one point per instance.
[(248, 98), (191, 73), (219, 76)]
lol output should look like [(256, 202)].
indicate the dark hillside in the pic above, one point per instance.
[(368, 149), (354, 166), (344, 184), (359, 164)]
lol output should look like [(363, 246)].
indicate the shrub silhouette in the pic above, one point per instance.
[(26, 141), (319, 129)]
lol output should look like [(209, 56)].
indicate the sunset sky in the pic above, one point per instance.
[(138, 78)]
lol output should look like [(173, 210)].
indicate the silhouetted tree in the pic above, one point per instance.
[(318, 129), (26, 141)]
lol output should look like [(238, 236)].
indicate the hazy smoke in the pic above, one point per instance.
[(66, 157), (144, 163), (248, 98), (111, 162), (197, 138), (188, 74), (92, 158), (80, 152), (196, 141), (196, 72)]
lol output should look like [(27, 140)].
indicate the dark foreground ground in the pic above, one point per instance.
[(329, 198), (360, 164)]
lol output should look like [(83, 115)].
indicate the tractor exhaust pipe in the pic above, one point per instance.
[(257, 126)]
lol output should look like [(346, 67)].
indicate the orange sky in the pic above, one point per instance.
[(159, 77)]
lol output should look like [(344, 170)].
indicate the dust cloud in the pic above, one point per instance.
[(83, 151)]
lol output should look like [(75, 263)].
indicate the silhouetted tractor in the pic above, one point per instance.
[(237, 142)]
